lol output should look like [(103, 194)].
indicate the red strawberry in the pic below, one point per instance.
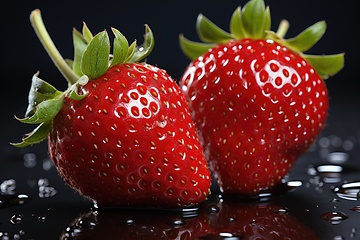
[(257, 100), (122, 133)]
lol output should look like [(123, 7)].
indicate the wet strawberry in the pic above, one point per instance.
[(257, 100), (122, 133)]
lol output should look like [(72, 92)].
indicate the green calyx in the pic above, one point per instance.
[(92, 59), (254, 21)]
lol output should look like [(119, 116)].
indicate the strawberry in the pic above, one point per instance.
[(257, 100), (122, 133)]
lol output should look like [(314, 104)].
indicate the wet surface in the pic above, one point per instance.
[(319, 199)]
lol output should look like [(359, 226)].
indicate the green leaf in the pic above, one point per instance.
[(37, 135), (80, 46), (326, 65), (88, 36), (121, 47), (39, 92), (73, 91), (256, 19), (95, 61), (144, 49), (45, 111), (131, 51), (209, 32), (307, 38), (236, 25), (194, 49)]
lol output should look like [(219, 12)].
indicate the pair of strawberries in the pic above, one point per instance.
[(126, 134)]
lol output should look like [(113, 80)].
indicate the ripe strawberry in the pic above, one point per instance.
[(122, 133), (257, 100)]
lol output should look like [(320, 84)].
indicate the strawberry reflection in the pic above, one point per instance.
[(138, 224), (225, 219), (240, 219)]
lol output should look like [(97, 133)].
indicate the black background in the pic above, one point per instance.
[(23, 55)]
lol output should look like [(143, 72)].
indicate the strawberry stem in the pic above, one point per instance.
[(283, 28), (45, 39)]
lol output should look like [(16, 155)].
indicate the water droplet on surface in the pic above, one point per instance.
[(334, 217), (145, 230), (41, 218), (212, 209), (329, 173), (190, 212), (71, 232), (178, 222), (337, 157), (8, 186), (356, 208), (30, 160), (45, 191), (280, 210), (88, 222), (16, 219), (348, 191), (130, 221), (13, 200), (47, 164)]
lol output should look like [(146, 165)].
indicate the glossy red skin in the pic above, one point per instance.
[(131, 141), (258, 106)]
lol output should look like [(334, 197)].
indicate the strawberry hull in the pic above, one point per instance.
[(131, 141), (258, 106)]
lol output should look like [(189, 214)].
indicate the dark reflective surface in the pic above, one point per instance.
[(317, 200)]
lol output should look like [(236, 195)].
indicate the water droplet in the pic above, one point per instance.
[(47, 164), (4, 236), (130, 221), (8, 186), (16, 219), (30, 160), (334, 217), (43, 182), (41, 218), (338, 238), (280, 210), (190, 212), (88, 222), (178, 222), (348, 191), (349, 143), (45, 192), (212, 209), (329, 173), (356, 208), (337, 157), (145, 230), (72, 231), (13, 200)]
